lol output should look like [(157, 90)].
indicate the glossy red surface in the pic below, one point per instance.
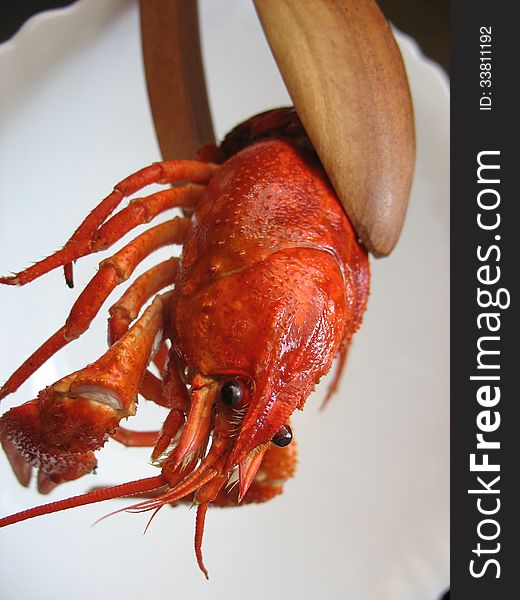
[(271, 283)]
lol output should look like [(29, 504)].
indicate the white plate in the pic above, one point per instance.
[(367, 515)]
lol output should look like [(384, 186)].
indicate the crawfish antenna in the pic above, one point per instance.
[(117, 491)]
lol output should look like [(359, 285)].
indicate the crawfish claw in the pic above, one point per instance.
[(56, 435)]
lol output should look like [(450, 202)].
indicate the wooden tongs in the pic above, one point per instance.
[(345, 75)]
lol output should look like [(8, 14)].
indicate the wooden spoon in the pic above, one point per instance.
[(346, 77), (344, 72)]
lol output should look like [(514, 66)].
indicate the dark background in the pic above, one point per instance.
[(425, 20)]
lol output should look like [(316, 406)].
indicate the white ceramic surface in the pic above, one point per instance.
[(367, 515)]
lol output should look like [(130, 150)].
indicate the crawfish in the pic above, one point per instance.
[(269, 288)]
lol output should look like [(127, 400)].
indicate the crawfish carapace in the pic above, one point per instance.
[(269, 288)]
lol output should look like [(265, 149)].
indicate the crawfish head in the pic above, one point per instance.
[(257, 318), (258, 341)]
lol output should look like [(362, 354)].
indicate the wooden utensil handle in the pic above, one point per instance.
[(175, 76)]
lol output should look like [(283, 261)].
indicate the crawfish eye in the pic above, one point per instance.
[(232, 393), (283, 437)]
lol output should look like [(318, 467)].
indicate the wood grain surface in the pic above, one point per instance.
[(175, 77), (345, 74)]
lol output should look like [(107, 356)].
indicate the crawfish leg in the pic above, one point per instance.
[(135, 439), (143, 439), (126, 309), (152, 389), (161, 356), (159, 439), (139, 212), (340, 365), (88, 239), (164, 393), (59, 430), (170, 393), (112, 271)]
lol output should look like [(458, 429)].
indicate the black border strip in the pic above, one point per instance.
[(484, 122)]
